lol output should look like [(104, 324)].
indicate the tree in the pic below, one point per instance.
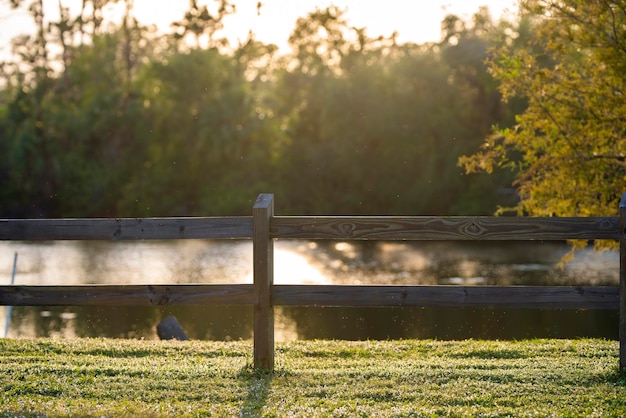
[(465, 48), (205, 136), (199, 22), (123, 117), (68, 128), (567, 149), (125, 122), (378, 127)]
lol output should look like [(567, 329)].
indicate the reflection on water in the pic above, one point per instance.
[(467, 263), (320, 262), (144, 262)]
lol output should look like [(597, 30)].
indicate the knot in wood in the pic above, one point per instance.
[(118, 232), (607, 225), (346, 228), (474, 229)]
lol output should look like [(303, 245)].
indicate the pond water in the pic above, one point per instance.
[(318, 262)]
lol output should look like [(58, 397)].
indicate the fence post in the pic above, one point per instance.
[(622, 283), (263, 259)]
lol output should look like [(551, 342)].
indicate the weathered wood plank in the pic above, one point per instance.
[(127, 295), (263, 256), (310, 227), (126, 228), (622, 283), (559, 297), (444, 228)]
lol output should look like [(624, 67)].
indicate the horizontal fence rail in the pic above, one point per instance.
[(457, 228), (547, 297), (128, 295), (126, 229), (536, 297), (263, 228)]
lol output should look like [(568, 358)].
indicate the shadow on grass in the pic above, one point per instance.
[(618, 377), (258, 383), (491, 354)]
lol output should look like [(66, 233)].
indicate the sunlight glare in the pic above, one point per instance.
[(417, 22), (292, 268)]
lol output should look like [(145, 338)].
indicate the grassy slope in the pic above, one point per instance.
[(314, 378)]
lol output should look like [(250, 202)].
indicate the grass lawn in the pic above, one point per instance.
[(100, 377)]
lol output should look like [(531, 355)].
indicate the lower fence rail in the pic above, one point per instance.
[(533, 297), (128, 295), (528, 297)]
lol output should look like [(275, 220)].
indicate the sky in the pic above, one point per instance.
[(414, 20)]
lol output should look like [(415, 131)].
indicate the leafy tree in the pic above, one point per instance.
[(67, 134), (567, 149), (198, 22), (207, 137), (377, 127), (465, 47), (123, 118), (127, 123)]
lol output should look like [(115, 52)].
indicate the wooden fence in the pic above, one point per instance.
[(263, 227)]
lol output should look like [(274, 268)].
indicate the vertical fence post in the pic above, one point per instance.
[(263, 256), (622, 283)]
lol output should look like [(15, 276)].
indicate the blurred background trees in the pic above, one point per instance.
[(119, 120)]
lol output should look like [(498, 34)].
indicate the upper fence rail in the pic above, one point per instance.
[(233, 227), (419, 228), (448, 228)]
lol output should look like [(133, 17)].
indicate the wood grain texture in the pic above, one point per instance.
[(622, 283), (444, 228), (562, 297), (127, 295), (126, 228), (312, 227), (263, 259), (557, 297)]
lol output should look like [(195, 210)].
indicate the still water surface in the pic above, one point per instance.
[(320, 262)]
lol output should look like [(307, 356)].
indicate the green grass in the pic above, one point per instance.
[(99, 377)]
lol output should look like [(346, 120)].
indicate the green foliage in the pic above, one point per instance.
[(127, 122), (567, 148), (333, 378), (203, 135), (69, 136), (377, 127)]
